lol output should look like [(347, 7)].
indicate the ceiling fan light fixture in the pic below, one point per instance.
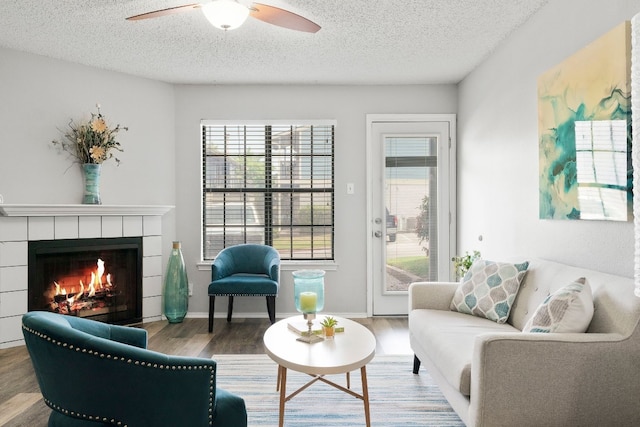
[(225, 14)]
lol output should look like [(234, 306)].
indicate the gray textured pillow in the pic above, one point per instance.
[(569, 309), (489, 289)]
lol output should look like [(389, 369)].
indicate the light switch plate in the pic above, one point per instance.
[(350, 188)]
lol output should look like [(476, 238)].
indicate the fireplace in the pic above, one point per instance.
[(100, 279)]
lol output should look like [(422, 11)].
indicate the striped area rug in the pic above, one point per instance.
[(397, 396)]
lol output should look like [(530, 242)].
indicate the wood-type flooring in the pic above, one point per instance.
[(21, 402)]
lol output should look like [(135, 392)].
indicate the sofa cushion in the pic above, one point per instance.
[(448, 338), (489, 289), (569, 309)]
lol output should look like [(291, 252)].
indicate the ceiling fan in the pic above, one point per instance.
[(229, 14)]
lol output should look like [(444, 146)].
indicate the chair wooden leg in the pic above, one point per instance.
[(212, 304), (271, 308), (416, 364), (230, 309)]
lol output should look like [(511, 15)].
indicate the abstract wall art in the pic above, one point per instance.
[(584, 126)]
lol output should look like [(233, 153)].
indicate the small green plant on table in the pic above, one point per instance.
[(329, 322)]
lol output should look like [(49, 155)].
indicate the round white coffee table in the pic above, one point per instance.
[(348, 351)]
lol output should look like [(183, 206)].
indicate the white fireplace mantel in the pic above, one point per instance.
[(23, 223), (82, 210)]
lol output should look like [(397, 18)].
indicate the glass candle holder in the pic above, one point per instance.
[(308, 291)]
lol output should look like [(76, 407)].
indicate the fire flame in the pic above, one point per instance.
[(95, 284)]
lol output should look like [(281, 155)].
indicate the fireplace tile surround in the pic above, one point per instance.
[(20, 224)]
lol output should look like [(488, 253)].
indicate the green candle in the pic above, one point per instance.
[(308, 302)]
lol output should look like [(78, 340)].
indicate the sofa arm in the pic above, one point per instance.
[(221, 266), (129, 335), (272, 266), (123, 334), (431, 295), (530, 379)]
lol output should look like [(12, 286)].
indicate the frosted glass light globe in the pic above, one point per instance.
[(225, 14)]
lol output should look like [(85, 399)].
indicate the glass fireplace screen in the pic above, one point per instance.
[(96, 278)]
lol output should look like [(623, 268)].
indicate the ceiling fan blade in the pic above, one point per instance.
[(163, 12), (283, 18)]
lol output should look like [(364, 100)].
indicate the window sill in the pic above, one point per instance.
[(287, 265)]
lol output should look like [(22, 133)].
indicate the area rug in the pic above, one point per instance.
[(397, 396)]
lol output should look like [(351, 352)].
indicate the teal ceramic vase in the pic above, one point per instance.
[(176, 287), (91, 174)]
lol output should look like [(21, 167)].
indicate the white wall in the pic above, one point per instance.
[(348, 105), (40, 95), (498, 145)]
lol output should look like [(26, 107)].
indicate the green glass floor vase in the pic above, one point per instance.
[(176, 287)]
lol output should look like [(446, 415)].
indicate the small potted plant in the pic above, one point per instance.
[(462, 264), (329, 327)]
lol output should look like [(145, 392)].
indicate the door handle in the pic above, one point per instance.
[(378, 234)]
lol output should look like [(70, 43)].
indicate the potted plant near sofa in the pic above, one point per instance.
[(462, 264)]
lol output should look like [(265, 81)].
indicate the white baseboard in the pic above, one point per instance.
[(259, 315)]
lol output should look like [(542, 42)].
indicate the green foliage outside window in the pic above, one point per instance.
[(422, 223)]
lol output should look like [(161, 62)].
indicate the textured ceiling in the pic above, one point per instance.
[(361, 42)]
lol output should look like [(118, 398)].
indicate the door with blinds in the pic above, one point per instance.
[(410, 204)]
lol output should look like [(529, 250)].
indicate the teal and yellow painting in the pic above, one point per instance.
[(584, 125)]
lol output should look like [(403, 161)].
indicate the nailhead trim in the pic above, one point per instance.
[(127, 360), (243, 295)]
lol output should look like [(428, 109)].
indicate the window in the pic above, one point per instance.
[(411, 193), (602, 169), (269, 183)]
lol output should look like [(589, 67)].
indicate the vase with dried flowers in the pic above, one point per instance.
[(91, 143)]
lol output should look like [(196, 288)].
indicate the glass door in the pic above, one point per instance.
[(410, 207)]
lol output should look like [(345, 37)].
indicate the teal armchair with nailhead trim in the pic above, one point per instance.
[(95, 374)]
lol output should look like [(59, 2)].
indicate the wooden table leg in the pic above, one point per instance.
[(365, 396), (282, 375), (278, 380)]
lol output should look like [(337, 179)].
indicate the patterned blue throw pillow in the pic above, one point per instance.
[(489, 289), (569, 309)]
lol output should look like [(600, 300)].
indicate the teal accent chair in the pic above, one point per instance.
[(245, 270), (93, 374)]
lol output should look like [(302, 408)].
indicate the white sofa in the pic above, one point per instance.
[(495, 375)]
